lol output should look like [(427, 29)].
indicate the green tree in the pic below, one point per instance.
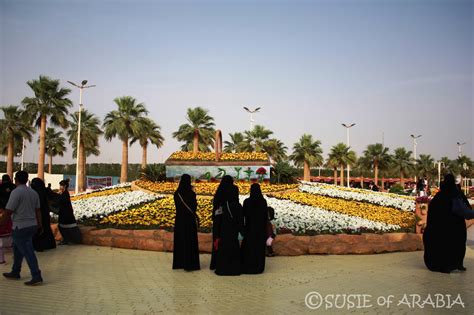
[(343, 155), (256, 138), (150, 134), (236, 143), (90, 132), (124, 123), (425, 166), (15, 126), (55, 145), (283, 172), (307, 153), (198, 134), (331, 162), (379, 158), (403, 162), (275, 149), (50, 101)]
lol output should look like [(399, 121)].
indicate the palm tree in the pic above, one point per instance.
[(275, 149), (236, 143), (461, 161), (49, 102), (425, 166), (255, 139), (308, 153), (90, 132), (151, 133), (331, 162), (343, 155), (403, 162), (198, 133), (126, 122), (55, 145), (284, 172), (379, 157), (14, 126)]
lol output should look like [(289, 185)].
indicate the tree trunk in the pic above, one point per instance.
[(11, 145), (402, 180), (306, 171), (144, 154), (335, 175), (50, 163), (376, 173), (362, 182), (80, 182), (124, 169), (342, 175), (42, 147), (196, 142)]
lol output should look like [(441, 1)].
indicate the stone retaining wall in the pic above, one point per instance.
[(284, 244)]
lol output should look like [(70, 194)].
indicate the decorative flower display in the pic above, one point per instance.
[(211, 156), (210, 188), (105, 205), (109, 190), (368, 211), (383, 199)]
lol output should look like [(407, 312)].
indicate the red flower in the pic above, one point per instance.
[(261, 171)]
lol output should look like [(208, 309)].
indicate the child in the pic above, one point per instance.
[(271, 231), (5, 233)]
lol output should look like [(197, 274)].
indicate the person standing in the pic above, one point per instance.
[(24, 204), (253, 248), (185, 245), (228, 225), (6, 188), (45, 240), (67, 223)]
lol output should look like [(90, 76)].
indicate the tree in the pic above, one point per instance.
[(151, 133), (125, 123), (50, 101), (275, 149), (331, 162), (198, 133), (236, 143), (307, 153), (283, 172), (55, 145), (343, 155), (403, 162), (460, 162), (90, 132), (379, 157), (15, 126), (425, 166), (256, 138)]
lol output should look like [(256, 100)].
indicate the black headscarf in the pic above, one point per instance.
[(255, 192), (448, 186), (184, 184), (223, 190)]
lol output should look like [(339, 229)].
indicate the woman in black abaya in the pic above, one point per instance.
[(185, 246), (44, 240), (228, 224), (254, 244), (444, 237), (226, 183)]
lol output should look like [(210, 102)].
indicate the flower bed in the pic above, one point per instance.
[(383, 199), (96, 193), (211, 156), (209, 189), (404, 219)]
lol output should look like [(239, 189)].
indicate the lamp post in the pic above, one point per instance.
[(415, 143), (78, 145), (466, 168), (439, 163), (256, 110), (460, 148), (348, 126)]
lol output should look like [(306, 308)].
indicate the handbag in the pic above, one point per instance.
[(240, 237)]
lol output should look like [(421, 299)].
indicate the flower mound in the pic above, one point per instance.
[(210, 156), (377, 198)]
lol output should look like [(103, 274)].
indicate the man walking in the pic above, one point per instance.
[(24, 203)]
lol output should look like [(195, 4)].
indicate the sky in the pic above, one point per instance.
[(393, 67)]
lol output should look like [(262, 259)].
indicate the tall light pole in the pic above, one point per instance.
[(439, 163), (256, 110), (348, 126), (460, 148), (414, 148), (78, 144)]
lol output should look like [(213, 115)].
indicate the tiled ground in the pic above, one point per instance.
[(88, 279)]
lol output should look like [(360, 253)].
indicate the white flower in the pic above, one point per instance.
[(121, 185)]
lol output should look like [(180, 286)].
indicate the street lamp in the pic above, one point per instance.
[(348, 126), (466, 168), (414, 148), (81, 88), (439, 163), (460, 148), (256, 110)]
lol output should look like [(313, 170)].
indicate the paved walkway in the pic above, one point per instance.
[(89, 279)]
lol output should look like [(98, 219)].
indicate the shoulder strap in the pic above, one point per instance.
[(230, 212), (185, 204)]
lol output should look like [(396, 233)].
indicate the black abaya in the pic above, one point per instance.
[(254, 244), (185, 246), (46, 239)]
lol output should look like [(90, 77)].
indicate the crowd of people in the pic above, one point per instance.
[(242, 235), (25, 222)]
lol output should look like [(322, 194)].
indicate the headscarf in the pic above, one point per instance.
[(255, 192), (222, 190), (448, 186), (184, 184)]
